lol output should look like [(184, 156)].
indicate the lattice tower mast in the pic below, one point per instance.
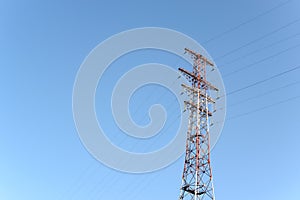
[(197, 181)]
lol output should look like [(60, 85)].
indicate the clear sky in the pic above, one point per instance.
[(42, 45)]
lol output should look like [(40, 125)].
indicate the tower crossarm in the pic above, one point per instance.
[(196, 91), (189, 104), (192, 77)]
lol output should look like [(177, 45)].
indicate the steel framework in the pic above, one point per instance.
[(197, 181)]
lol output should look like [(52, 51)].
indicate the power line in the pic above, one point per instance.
[(264, 59), (249, 86), (264, 107), (259, 38), (246, 87), (261, 60), (246, 22), (259, 109), (264, 94), (262, 81), (260, 49)]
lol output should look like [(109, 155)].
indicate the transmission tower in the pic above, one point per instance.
[(197, 181)]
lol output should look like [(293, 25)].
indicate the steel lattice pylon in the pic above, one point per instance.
[(197, 174)]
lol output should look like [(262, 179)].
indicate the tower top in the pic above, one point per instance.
[(199, 56)]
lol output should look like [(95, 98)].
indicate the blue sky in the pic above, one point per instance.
[(43, 45)]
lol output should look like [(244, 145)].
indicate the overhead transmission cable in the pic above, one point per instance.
[(262, 81), (259, 38), (219, 35), (261, 60), (260, 49), (264, 94), (264, 107)]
